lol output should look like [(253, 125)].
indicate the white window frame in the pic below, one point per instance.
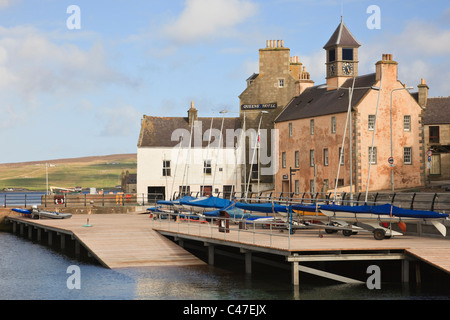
[(281, 83), (407, 158), (167, 172), (373, 155), (371, 122), (407, 123), (333, 124)]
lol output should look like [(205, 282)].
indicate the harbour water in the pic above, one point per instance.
[(31, 271)]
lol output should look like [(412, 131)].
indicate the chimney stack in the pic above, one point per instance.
[(192, 114), (423, 93), (388, 67)]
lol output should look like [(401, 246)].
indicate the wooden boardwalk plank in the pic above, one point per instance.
[(123, 240)]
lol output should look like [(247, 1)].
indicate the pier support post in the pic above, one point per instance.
[(50, 237), (210, 253), (14, 227), (39, 235), (405, 271), (63, 241), (248, 261), (21, 229), (30, 232), (295, 274), (77, 248)]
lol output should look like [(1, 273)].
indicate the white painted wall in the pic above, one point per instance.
[(150, 169)]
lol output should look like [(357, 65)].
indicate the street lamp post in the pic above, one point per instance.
[(392, 142)]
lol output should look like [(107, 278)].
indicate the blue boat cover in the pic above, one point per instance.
[(262, 207), (174, 202), (209, 202), (303, 207), (387, 209), (22, 211)]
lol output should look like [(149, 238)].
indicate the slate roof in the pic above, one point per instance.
[(437, 111), (157, 131), (316, 101), (342, 37)]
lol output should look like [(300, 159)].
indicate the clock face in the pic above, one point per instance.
[(347, 68), (332, 70)]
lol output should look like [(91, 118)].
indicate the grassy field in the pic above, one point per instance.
[(89, 172)]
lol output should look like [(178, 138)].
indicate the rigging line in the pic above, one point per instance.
[(253, 159), (217, 155), (186, 165), (176, 165), (373, 136), (207, 156), (349, 111)]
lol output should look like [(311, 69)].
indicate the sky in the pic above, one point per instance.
[(77, 83)]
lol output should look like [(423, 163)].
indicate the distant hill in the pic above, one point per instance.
[(99, 172)]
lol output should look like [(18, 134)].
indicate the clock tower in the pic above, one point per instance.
[(342, 57)]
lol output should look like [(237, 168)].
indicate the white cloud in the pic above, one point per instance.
[(7, 3), (32, 64), (120, 121), (421, 49), (209, 20)]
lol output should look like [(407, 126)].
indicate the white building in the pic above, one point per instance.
[(174, 156)]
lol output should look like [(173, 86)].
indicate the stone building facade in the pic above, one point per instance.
[(280, 78), (313, 125), (436, 134)]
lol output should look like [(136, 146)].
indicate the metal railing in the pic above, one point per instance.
[(408, 200), (265, 233), (439, 202)]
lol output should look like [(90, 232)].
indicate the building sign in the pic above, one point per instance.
[(259, 106)]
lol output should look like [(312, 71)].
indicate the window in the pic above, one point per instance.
[(311, 158), (166, 169), (340, 182), (371, 122), (255, 172), (297, 159), (407, 123), (341, 157), (347, 54), (373, 155), (333, 124), (290, 130), (326, 185), (283, 159), (325, 157), (297, 186), (434, 134), (312, 126), (280, 83), (332, 55), (407, 155), (312, 186), (207, 167)]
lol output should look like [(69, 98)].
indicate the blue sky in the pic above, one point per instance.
[(73, 93)]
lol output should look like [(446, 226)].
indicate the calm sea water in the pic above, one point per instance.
[(31, 271)]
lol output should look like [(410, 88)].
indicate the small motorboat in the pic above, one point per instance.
[(35, 213)]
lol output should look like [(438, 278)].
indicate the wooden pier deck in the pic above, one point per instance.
[(134, 240), (118, 240), (306, 244)]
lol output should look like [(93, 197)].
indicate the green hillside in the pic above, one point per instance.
[(91, 172)]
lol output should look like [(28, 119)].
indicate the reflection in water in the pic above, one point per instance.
[(34, 272)]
